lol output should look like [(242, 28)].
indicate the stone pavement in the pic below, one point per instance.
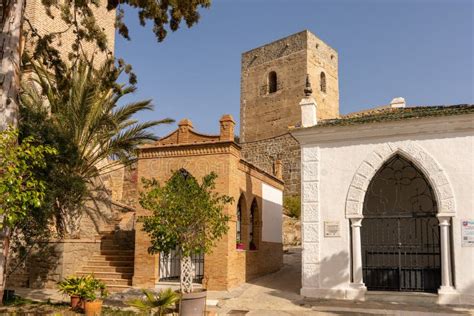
[(278, 294)]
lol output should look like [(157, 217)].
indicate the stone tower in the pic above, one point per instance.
[(273, 79)]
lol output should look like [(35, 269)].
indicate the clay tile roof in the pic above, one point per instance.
[(387, 113)]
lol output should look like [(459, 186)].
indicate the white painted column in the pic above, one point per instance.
[(446, 281), (356, 224)]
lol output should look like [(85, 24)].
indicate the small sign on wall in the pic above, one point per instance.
[(332, 229), (467, 233)]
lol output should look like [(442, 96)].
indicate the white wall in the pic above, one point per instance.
[(327, 171), (272, 214)]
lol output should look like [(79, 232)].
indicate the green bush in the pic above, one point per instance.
[(292, 206)]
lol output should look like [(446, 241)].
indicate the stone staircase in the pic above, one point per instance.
[(114, 264)]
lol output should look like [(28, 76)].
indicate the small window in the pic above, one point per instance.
[(272, 82), (322, 82)]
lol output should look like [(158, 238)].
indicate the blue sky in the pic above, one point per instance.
[(418, 49)]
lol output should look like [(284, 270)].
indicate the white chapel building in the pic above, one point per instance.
[(388, 202)]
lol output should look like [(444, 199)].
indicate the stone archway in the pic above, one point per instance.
[(442, 191)]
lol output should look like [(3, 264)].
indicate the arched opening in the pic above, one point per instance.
[(400, 233), (239, 217), (322, 82), (272, 82), (254, 237)]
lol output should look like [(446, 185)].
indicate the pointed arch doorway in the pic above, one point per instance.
[(400, 235)]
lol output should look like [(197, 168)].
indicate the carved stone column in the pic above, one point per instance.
[(356, 224)]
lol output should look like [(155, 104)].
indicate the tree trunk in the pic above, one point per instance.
[(10, 61), (5, 244), (187, 274)]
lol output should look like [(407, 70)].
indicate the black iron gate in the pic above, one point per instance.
[(400, 232), (401, 254), (170, 267)]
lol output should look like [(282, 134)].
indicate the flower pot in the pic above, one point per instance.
[(93, 308), (240, 246), (76, 302), (193, 304)]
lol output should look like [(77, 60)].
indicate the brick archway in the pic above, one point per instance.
[(416, 154)]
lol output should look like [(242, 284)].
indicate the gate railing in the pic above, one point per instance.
[(170, 268)]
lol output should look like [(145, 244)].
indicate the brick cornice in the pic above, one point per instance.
[(200, 149)]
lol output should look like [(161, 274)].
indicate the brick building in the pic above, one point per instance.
[(272, 84), (256, 213)]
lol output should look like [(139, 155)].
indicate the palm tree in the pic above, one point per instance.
[(82, 108)]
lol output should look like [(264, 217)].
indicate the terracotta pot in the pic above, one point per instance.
[(193, 304), (76, 302), (93, 308)]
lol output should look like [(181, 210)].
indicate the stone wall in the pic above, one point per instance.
[(43, 24), (285, 148)]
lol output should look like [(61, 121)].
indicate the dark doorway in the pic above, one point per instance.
[(400, 232)]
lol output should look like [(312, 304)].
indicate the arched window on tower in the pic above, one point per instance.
[(322, 82), (272, 82)]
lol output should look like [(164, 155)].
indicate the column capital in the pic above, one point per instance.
[(444, 220), (356, 222)]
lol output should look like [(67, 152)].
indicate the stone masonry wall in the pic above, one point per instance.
[(36, 14), (263, 154)]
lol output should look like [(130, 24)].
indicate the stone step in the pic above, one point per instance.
[(108, 275), (119, 252), (95, 269), (112, 257), (115, 248), (106, 263), (113, 282)]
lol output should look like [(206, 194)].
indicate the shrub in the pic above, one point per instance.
[(292, 206)]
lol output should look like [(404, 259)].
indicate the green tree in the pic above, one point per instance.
[(187, 217), (79, 113), (20, 191)]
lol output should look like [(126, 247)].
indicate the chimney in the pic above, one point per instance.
[(398, 103), (184, 127), (227, 128), (278, 169), (308, 107)]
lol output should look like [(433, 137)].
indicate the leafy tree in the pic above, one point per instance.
[(20, 191), (187, 216), (81, 116)]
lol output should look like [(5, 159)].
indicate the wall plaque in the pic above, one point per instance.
[(332, 229), (467, 233)]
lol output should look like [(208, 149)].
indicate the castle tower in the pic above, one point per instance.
[(273, 79)]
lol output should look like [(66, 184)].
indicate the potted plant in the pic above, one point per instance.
[(187, 216), (73, 286), (161, 303), (239, 245), (92, 292)]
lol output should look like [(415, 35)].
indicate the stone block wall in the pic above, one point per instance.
[(43, 24), (285, 148)]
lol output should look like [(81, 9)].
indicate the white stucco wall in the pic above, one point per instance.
[(331, 157), (272, 214)]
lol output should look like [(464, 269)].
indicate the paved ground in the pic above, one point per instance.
[(277, 294)]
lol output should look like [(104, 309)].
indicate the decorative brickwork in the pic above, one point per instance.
[(199, 154)]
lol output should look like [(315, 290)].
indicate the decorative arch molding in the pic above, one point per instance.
[(418, 156)]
